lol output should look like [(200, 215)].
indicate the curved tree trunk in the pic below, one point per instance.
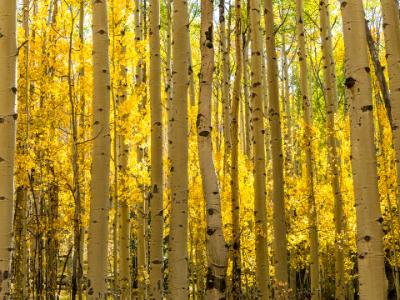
[(334, 163), (8, 117), (215, 241), (370, 257), (98, 222)]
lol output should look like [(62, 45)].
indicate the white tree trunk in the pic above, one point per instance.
[(372, 281), (178, 156), (98, 222), (8, 117)]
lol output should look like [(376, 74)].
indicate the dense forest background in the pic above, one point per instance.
[(199, 150)]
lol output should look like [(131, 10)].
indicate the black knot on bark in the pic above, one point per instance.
[(366, 108), (204, 133), (211, 231), (349, 82)]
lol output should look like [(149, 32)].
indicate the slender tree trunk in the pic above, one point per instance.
[(192, 93), (391, 28), (141, 232), (98, 222), (262, 265), (235, 205), (52, 243), (21, 250), (379, 71), (334, 163), (372, 282), (124, 275), (225, 75), (8, 117), (21, 260), (215, 241), (139, 18), (178, 156), (76, 259), (246, 92), (157, 184), (287, 109), (278, 199), (307, 138)]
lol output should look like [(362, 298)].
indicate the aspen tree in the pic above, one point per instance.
[(21, 201), (246, 93), (124, 276), (141, 231), (370, 256), (331, 108), (192, 93), (76, 259), (307, 139), (260, 213), (20, 234), (8, 117), (287, 108), (391, 28), (225, 75), (215, 241), (235, 205), (98, 222), (178, 156), (79, 195), (52, 242), (139, 19), (124, 213), (280, 241), (156, 193)]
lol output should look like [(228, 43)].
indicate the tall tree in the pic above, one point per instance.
[(331, 99), (215, 241), (370, 256), (274, 115), (235, 205), (260, 213), (77, 270), (8, 117), (178, 156), (156, 192), (307, 139), (225, 62), (124, 274), (98, 222), (391, 28)]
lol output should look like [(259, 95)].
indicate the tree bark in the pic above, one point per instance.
[(391, 28), (21, 250), (278, 200), (331, 99), (157, 184), (178, 156), (235, 205), (215, 241), (370, 258), (98, 221), (262, 265), (307, 138), (8, 117)]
